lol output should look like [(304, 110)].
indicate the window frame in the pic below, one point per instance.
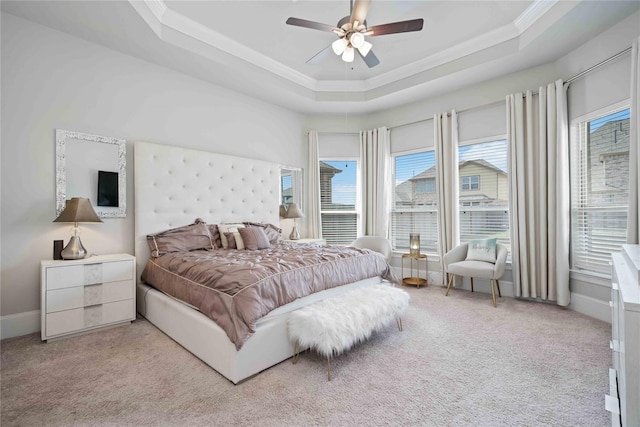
[(358, 207), (471, 183), (574, 139)]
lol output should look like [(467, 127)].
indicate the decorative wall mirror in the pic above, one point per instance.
[(290, 185), (91, 166)]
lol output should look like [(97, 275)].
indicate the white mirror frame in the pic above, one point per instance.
[(62, 136), (296, 183)]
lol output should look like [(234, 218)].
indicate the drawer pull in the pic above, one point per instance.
[(92, 305), (93, 284)]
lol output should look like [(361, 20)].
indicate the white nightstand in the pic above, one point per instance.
[(320, 242), (86, 294)]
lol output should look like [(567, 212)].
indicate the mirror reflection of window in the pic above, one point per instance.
[(286, 189)]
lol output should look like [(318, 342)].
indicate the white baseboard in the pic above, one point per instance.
[(591, 307), (14, 325)]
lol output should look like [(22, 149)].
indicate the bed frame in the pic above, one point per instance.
[(173, 187)]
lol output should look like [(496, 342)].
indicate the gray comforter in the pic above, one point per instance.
[(235, 288)]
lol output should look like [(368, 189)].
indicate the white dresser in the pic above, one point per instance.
[(86, 294), (624, 378)]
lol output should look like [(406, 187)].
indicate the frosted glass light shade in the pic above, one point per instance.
[(357, 40), (348, 55), (339, 46), (365, 48)]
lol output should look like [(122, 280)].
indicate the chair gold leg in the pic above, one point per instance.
[(328, 368), (493, 293), (449, 286), (399, 323), (498, 285), (471, 284)]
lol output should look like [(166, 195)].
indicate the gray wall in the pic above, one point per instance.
[(51, 80)]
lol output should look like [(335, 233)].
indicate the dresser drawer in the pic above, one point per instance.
[(83, 296), (69, 276), (67, 321)]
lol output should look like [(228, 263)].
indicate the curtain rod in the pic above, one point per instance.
[(489, 104)]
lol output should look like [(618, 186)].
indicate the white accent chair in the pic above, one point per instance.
[(375, 243), (455, 263)]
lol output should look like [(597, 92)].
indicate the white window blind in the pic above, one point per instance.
[(484, 189), (415, 201), (338, 201), (600, 188)]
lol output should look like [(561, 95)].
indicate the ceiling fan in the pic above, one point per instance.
[(352, 30)]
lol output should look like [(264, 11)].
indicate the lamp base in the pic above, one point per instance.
[(74, 249), (294, 233)]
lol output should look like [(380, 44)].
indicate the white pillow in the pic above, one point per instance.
[(231, 228)]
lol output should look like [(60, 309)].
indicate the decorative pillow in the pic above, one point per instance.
[(215, 236), (273, 232), (482, 250), (254, 238), (186, 238), (231, 240), (225, 228)]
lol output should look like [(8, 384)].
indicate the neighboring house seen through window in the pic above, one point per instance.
[(600, 189), (415, 201), (338, 201), (483, 199)]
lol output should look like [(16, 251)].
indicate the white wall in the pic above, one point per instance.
[(51, 80)]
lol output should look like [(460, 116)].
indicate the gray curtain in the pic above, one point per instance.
[(633, 218), (446, 140), (375, 170), (314, 220), (539, 206)]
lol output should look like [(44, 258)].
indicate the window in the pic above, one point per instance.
[(600, 188), (426, 186), (484, 213), (338, 201), (470, 182), (415, 201)]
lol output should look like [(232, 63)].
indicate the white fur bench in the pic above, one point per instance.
[(334, 325)]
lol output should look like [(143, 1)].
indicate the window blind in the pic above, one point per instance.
[(600, 189), (483, 192), (415, 201), (338, 196)]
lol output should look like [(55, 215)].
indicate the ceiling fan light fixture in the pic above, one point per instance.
[(365, 48), (339, 46), (348, 54), (357, 40)]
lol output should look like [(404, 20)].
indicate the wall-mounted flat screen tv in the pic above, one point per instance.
[(108, 188)]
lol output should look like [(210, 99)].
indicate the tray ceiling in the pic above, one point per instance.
[(246, 45)]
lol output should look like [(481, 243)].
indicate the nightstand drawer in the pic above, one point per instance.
[(87, 274), (88, 317), (82, 296)]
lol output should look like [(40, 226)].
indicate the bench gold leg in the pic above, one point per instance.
[(451, 276), (296, 353), (399, 323), (328, 368)]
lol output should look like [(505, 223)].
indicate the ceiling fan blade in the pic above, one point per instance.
[(371, 60), (359, 11), (396, 27), (311, 24), (318, 57)]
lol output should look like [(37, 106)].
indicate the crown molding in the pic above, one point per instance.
[(173, 27)]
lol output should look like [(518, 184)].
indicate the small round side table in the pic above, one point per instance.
[(415, 279)]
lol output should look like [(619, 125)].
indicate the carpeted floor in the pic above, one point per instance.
[(458, 362)]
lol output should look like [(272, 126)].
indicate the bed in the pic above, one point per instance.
[(173, 187)]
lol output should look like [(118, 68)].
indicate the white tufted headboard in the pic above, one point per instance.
[(174, 186)]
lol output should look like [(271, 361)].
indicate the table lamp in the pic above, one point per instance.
[(414, 244), (76, 210), (294, 212)]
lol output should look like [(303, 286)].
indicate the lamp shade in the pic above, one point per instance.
[(294, 211), (78, 209), (414, 244), (283, 211)]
